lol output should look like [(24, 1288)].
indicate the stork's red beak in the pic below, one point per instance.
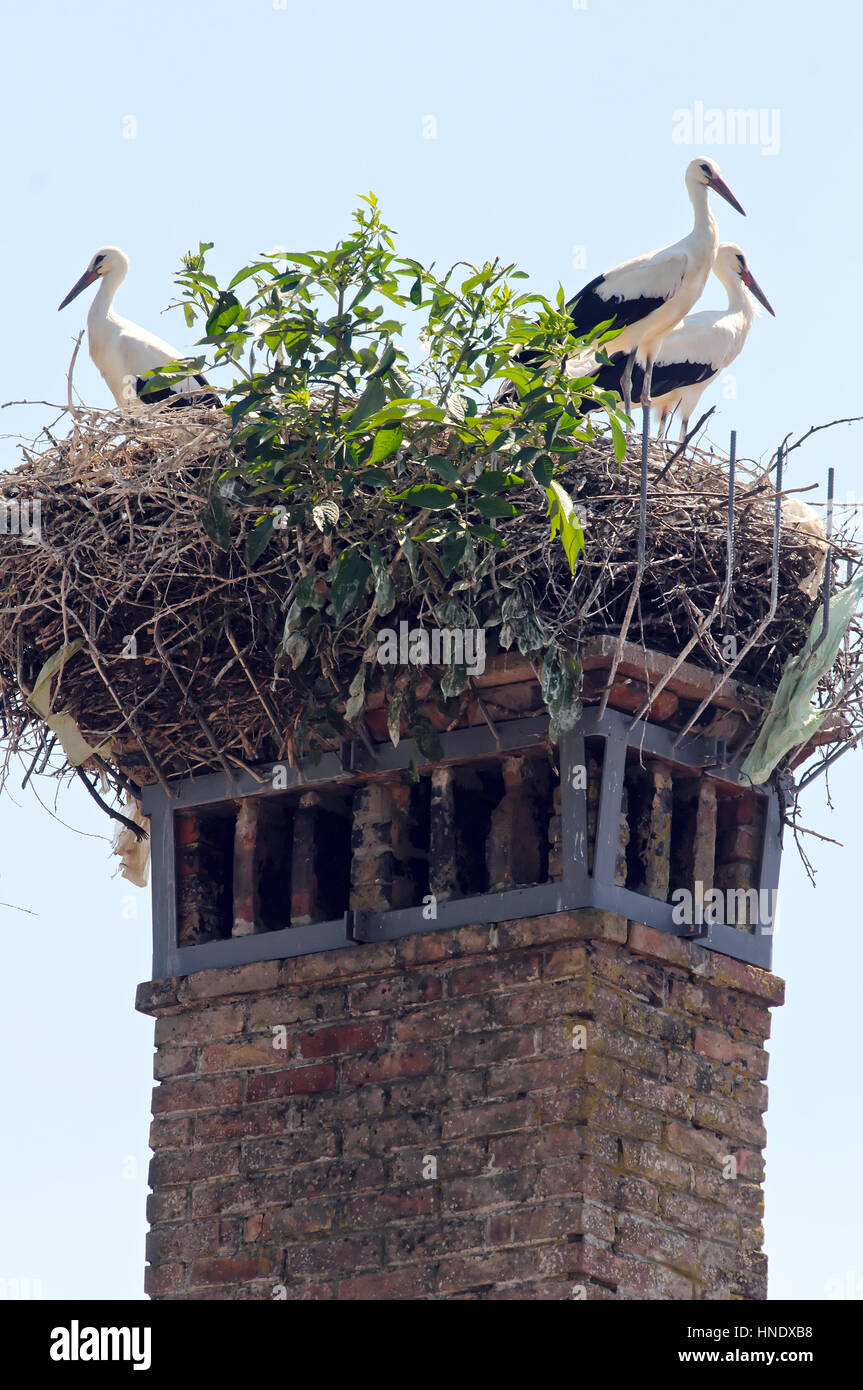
[(86, 279), (752, 284), (721, 187)]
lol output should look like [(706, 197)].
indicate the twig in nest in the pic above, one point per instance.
[(115, 815), (72, 411), (683, 443)]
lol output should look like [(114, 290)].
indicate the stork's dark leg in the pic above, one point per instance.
[(626, 382), (645, 396)]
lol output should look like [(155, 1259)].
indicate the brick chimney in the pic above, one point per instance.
[(442, 1032)]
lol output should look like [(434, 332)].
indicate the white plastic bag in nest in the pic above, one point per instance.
[(134, 853)]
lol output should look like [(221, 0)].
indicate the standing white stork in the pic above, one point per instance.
[(693, 354), (646, 297), (122, 351)]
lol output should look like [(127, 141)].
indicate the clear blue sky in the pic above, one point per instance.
[(257, 125)]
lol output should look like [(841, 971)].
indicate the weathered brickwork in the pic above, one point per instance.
[(555, 1108)]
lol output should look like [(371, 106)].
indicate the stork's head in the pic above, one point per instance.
[(730, 266), (705, 172), (109, 259)]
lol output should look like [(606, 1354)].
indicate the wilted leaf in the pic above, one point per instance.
[(453, 681), (561, 676), (394, 717), (357, 693), (325, 514)]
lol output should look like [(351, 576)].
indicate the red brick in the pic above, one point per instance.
[(385, 1066), (160, 1279), (390, 1285), (259, 976), (346, 1037), (234, 1269), (242, 1054), (495, 975), (395, 992), (199, 1025), (292, 1081), (489, 1119), (205, 1094), (169, 1169)]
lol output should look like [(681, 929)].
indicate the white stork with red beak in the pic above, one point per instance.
[(648, 296), (693, 354), (122, 351)]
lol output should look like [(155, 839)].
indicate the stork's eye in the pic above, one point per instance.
[(97, 262), (706, 169)]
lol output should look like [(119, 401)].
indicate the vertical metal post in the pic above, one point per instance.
[(828, 563), (732, 465)]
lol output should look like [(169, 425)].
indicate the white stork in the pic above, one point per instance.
[(693, 354), (122, 351), (646, 297)]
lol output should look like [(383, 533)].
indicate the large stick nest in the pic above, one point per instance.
[(123, 554)]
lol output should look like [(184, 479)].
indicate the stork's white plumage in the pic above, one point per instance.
[(648, 296), (123, 351), (705, 344)]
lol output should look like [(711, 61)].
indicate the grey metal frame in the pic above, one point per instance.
[(576, 889)]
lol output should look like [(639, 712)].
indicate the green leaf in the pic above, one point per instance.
[(215, 522), (385, 594), (411, 554), (618, 437), (372, 399), (416, 295), (543, 470), (429, 496), (443, 467), (227, 312), (258, 539), (453, 551), (563, 519), (352, 575), (244, 274), (386, 443), (487, 533), (494, 506), (492, 480), (374, 477), (388, 357)]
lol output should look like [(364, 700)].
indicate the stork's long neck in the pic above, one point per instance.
[(704, 231), (103, 302), (740, 301)]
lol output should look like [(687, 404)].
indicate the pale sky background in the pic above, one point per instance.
[(258, 124)]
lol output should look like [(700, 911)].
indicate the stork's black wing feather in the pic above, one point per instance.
[(177, 398), (587, 308), (667, 376)]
